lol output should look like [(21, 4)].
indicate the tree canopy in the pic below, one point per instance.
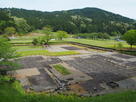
[(10, 31), (61, 34), (6, 53), (21, 25), (130, 37), (5, 21), (6, 50), (48, 35)]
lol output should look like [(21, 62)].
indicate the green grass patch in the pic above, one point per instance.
[(61, 69), (21, 41), (101, 43), (46, 53), (39, 50), (129, 52), (27, 47), (10, 92)]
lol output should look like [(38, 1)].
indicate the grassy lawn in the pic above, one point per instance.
[(46, 53), (13, 92), (102, 43), (27, 47), (61, 69), (129, 53), (21, 41), (10, 92), (39, 50)]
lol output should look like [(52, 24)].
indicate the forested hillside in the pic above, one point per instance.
[(12, 24), (85, 20), (5, 21)]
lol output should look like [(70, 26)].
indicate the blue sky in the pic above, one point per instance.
[(124, 7)]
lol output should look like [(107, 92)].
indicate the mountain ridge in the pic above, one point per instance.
[(84, 20), (70, 10)]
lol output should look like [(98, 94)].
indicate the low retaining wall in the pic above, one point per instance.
[(93, 47), (131, 52)]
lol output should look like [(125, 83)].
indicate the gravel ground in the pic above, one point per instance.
[(102, 67), (132, 64), (123, 56), (42, 81), (71, 48), (57, 48), (102, 70)]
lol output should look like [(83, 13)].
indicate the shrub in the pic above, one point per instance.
[(10, 30), (61, 34), (35, 41), (94, 36), (6, 37), (119, 46)]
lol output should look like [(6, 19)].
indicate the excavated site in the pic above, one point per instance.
[(92, 72)]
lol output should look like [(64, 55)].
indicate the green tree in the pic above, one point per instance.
[(21, 25), (5, 21), (61, 34), (48, 35), (6, 50), (10, 31), (130, 37), (103, 36), (6, 53)]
